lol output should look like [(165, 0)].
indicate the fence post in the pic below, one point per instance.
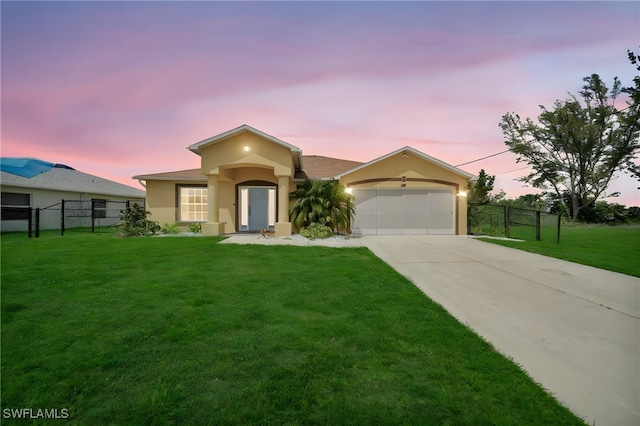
[(62, 217), (30, 221), (38, 222), (537, 225), (93, 215), (559, 221), (506, 221)]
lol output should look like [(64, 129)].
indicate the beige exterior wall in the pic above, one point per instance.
[(419, 173)]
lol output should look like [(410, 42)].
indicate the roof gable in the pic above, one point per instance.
[(409, 150), (296, 153)]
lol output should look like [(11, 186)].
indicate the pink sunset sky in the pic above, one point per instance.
[(117, 89)]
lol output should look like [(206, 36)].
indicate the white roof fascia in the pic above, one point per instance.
[(173, 178), (415, 152), (295, 151)]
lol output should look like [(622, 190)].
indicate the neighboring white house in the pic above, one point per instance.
[(28, 182)]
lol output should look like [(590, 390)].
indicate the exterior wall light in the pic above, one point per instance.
[(462, 194), (348, 190), (246, 148)]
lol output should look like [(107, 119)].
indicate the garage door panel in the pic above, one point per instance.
[(415, 224), (389, 201), (415, 201), (440, 201), (365, 200), (415, 211), (441, 208), (389, 223), (366, 223), (365, 220)]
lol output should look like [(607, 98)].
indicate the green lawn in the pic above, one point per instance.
[(615, 248), (189, 331)]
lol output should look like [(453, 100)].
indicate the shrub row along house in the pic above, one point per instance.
[(246, 176)]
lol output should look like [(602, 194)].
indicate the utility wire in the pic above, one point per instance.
[(505, 151), (511, 171), (483, 158)]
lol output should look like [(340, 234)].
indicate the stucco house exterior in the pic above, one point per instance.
[(29, 182), (246, 175)]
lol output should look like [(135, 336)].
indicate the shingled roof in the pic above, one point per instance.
[(314, 167), (320, 167), (70, 180)]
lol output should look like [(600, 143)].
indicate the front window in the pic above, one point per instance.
[(193, 204)]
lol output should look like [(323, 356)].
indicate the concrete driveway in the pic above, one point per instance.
[(575, 329)]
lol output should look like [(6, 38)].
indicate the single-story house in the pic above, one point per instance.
[(246, 175), (29, 182)]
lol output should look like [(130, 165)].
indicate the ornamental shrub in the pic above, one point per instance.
[(134, 223), (316, 230), (170, 228), (196, 228)]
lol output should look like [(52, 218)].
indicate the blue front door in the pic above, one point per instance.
[(258, 209)]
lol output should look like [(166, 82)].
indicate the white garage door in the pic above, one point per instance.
[(403, 211)]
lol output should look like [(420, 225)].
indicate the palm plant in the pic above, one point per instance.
[(324, 202), (339, 206)]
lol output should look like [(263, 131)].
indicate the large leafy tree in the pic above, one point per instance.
[(577, 146), (634, 104), (325, 202)]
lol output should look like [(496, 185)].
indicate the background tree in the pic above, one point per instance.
[(577, 146), (480, 188), (526, 201), (477, 195)]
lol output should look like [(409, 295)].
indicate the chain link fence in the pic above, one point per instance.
[(513, 222)]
